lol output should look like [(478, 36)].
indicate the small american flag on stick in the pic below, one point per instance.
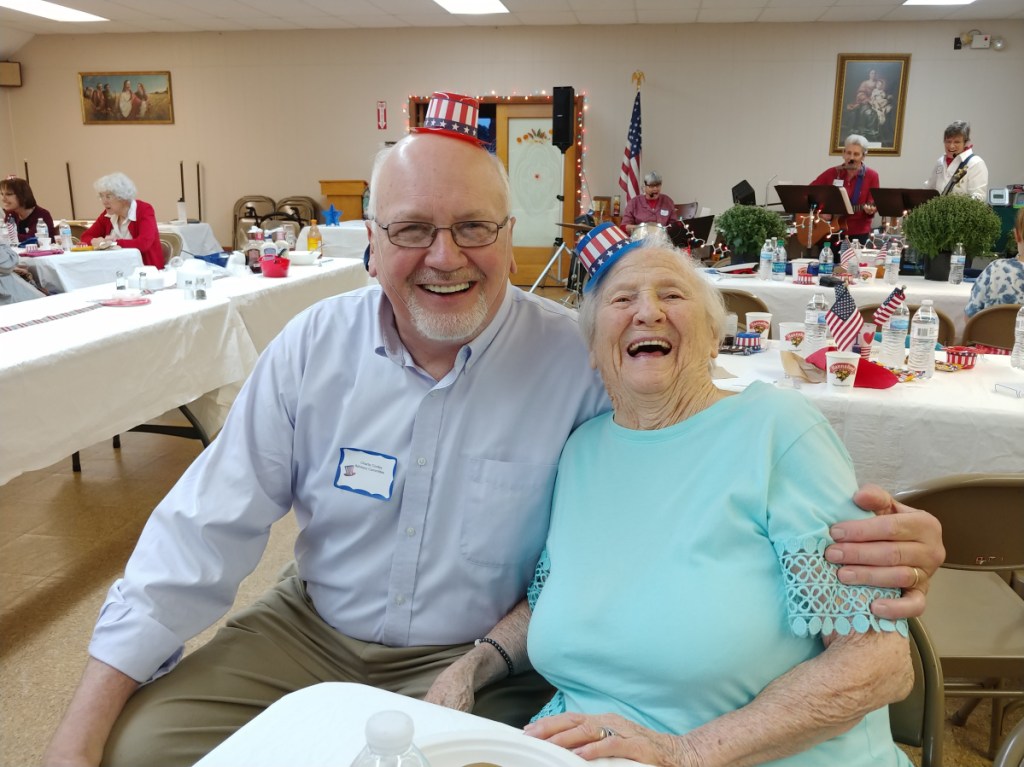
[(843, 319), (889, 305)]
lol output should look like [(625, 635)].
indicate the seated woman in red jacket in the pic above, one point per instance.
[(125, 221)]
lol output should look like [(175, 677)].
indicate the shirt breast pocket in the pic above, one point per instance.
[(506, 517)]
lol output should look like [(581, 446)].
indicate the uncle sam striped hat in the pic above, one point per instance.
[(600, 248), (449, 114)]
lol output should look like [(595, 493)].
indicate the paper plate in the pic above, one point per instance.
[(140, 301), (460, 749)]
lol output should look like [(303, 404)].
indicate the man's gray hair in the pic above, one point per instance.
[(382, 156), (117, 184), (958, 128), (856, 138)]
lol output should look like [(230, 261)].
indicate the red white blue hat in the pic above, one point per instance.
[(600, 248), (449, 114)]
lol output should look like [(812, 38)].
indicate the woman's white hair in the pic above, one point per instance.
[(704, 291), (117, 184)]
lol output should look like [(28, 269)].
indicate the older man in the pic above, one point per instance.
[(414, 428), (651, 207), (858, 180)]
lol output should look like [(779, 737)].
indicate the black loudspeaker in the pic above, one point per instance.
[(563, 116), (743, 194)]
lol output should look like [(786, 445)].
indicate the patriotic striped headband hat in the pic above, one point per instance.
[(452, 115), (600, 248)]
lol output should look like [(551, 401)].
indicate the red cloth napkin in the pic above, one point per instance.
[(869, 375), (50, 252)]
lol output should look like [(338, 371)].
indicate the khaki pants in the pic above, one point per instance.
[(278, 645)]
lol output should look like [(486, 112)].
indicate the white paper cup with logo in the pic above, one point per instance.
[(841, 369), (760, 322), (791, 336)]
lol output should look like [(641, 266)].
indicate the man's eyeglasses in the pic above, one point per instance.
[(419, 234)]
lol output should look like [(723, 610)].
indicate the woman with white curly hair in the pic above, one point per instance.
[(126, 222)]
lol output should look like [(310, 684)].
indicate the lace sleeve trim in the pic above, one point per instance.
[(817, 603), (540, 576)]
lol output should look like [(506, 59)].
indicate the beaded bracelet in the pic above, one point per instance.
[(501, 650)]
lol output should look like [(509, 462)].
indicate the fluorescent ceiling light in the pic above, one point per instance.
[(472, 7), (937, 2), (49, 10)]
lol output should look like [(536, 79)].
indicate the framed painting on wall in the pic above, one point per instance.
[(871, 93), (138, 98)]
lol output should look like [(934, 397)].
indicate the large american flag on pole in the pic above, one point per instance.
[(843, 319), (629, 175), (888, 306)]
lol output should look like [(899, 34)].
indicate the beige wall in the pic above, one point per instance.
[(274, 112)]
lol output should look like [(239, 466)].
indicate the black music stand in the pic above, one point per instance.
[(699, 229), (895, 203), (812, 200)]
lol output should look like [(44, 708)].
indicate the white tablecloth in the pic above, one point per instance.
[(346, 240), (899, 437), (197, 239), (70, 271), (70, 382), (787, 300), (323, 726)]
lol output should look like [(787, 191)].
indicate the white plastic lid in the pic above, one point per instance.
[(389, 732)]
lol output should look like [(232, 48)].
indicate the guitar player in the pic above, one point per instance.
[(858, 180)]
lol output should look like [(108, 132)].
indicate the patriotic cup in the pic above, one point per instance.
[(841, 369), (753, 340), (964, 356), (803, 277), (792, 335), (760, 322)]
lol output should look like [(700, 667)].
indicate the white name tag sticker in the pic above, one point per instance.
[(366, 472), (664, 212), (837, 182)]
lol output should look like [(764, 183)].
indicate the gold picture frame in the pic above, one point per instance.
[(126, 98), (870, 98)]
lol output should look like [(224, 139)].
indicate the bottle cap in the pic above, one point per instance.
[(389, 732)]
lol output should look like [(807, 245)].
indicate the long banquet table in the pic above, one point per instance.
[(787, 301), (61, 272), (346, 240), (899, 437), (73, 373), (196, 239), (323, 726)]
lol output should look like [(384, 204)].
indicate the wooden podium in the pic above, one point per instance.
[(346, 196)]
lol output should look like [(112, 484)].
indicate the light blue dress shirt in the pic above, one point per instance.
[(461, 469)]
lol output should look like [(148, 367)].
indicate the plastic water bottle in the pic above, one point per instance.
[(924, 332), (957, 261), (778, 260), (764, 261), (389, 742), (1017, 355), (12, 230), (894, 338), (66, 241), (42, 231), (892, 263), (815, 327), (826, 261)]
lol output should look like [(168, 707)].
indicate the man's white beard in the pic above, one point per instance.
[(448, 326)]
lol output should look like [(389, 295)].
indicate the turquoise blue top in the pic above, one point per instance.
[(684, 570)]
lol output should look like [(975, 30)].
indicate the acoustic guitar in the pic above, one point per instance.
[(812, 230)]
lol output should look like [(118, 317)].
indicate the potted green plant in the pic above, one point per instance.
[(935, 227), (744, 228)]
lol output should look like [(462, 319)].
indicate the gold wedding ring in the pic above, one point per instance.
[(917, 578)]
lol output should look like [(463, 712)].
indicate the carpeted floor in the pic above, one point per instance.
[(66, 537)]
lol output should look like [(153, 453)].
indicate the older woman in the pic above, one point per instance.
[(125, 221), (692, 619), (959, 170), (1002, 281), (15, 281), (858, 180), (652, 207), (714, 630), (19, 202)]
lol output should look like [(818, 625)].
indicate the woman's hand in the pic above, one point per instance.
[(605, 735)]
